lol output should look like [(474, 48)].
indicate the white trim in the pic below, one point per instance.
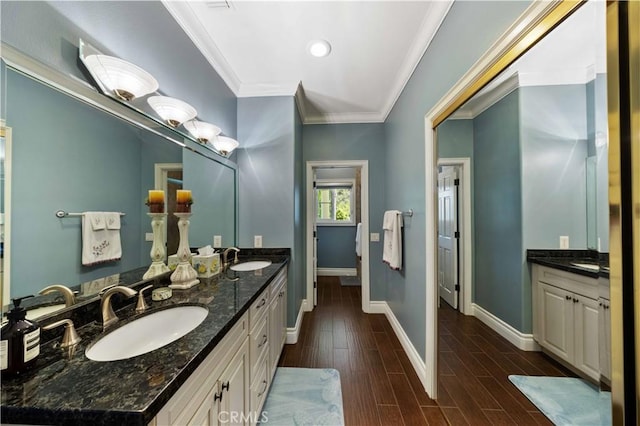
[(337, 272), (527, 20), (486, 98), (466, 276), (416, 361), (6, 226), (523, 341), (364, 212), (294, 332)]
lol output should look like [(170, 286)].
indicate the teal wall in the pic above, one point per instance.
[(334, 142), (460, 41), (269, 183)]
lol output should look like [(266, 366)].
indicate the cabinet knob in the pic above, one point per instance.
[(217, 396), (262, 303), (567, 297), (264, 340), (264, 388), (575, 300), (225, 386)]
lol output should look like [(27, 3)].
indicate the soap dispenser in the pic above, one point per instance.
[(20, 341)]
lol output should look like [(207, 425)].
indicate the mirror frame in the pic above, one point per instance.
[(538, 20), (86, 93)]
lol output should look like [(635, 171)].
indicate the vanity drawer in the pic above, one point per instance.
[(277, 283), (568, 281), (258, 346), (260, 388), (259, 309)]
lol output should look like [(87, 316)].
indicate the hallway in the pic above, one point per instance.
[(379, 386)]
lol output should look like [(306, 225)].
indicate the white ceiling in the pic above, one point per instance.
[(260, 49)]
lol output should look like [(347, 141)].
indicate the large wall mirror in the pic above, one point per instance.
[(73, 155), (533, 145)]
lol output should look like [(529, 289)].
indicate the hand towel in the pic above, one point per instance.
[(392, 248), (359, 240), (100, 239)]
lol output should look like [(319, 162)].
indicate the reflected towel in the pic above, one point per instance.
[(359, 240), (392, 248), (100, 237)]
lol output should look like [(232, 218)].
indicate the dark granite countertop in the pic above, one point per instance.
[(566, 259), (73, 390)]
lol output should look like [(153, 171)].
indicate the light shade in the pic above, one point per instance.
[(319, 48), (125, 80), (173, 111), (225, 145), (202, 131)]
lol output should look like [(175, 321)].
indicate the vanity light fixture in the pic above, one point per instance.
[(202, 131), (125, 80), (173, 111), (319, 48), (225, 145)]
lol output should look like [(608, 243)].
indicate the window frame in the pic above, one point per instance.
[(335, 184)]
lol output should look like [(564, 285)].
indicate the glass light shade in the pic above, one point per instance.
[(126, 80), (225, 145), (173, 111), (202, 131)]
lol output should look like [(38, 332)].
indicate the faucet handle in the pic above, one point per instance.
[(70, 337), (142, 305)]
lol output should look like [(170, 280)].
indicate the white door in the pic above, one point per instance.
[(315, 241), (448, 236)]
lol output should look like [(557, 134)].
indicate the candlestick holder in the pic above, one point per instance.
[(184, 276), (157, 249)]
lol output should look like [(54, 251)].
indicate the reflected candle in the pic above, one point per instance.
[(183, 196)]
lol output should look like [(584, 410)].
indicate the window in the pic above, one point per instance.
[(334, 203)]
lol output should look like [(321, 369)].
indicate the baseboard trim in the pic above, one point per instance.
[(294, 332), (520, 340), (337, 272), (381, 307)]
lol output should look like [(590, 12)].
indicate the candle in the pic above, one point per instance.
[(156, 196), (183, 196)]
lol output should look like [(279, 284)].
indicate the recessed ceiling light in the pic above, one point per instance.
[(319, 48)]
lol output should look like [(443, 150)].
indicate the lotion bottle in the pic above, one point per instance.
[(20, 341)]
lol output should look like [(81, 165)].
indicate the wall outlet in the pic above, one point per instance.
[(257, 241), (375, 237), (148, 236), (217, 241), (564, 242)]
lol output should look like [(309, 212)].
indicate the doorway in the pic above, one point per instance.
[(323, 206)]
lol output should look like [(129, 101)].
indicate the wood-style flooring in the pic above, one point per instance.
[(379, 385)]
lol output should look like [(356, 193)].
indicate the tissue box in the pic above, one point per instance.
[(206, 265), (173, 261)]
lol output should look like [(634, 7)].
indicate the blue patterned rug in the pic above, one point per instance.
[(566, 400), (304, 396)]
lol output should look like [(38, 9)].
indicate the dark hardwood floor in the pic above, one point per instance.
[(379, 385)]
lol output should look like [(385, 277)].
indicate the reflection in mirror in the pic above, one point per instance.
[(536, 142), (73, 156)]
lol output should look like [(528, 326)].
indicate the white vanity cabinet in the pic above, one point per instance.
[(277, 319), (565, 317), (217, 392), (604, 324)]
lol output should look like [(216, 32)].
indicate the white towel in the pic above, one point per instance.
[(100, 237), (392, 249), (359, 240)]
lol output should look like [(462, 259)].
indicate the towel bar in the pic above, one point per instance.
[(61, 213), (409, 213)]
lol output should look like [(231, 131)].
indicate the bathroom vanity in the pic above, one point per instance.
[(218, 373), (570, 305)]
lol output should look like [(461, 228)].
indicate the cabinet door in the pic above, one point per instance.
[(274, 333), (207, 412), (283, 316), (234, 384), (556, 321), (587, 355)]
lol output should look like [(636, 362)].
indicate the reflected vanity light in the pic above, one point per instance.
[(225, 145), (125, 80), (173, 111), (202, 131)]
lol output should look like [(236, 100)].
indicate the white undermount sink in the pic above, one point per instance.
[(250, 266), (147, 333), (586, 266)]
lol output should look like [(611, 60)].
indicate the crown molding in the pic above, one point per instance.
[(344, 118), (430, 24), (486, 98), (191, 25), (258, 90)]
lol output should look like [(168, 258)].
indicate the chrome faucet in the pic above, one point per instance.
[(225, 254), (108, 316), (69, 296)]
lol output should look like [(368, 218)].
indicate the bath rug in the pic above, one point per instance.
[(304, 396), (566, 400)]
